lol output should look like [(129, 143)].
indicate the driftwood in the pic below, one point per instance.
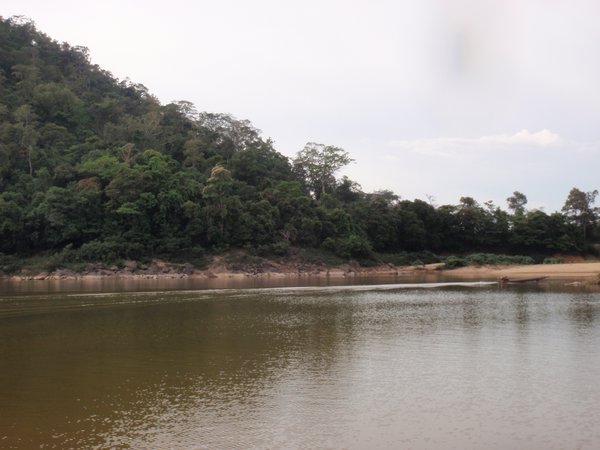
[(505, 280)]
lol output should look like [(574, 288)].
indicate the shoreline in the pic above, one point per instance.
[(584, 272), (579, 272)]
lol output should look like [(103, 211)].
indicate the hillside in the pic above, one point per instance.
[(96, 169)]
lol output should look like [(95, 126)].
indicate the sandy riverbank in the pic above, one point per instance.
[(588, 272)]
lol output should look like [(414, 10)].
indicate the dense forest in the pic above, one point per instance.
[(97, 169)]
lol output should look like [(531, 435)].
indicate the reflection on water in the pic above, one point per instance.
[(351, 367)]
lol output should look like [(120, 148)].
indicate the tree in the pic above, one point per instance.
[(317, 164), (347, 190), (260, 166), (216, 195), (26, 118), (230, 134), (537, 231), (468, 202), (578, 208), (517, 202), (11, 224)]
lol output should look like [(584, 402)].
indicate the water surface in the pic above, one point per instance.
[(384, 366)]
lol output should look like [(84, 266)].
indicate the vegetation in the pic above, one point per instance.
[(482, 259), (96, 169)]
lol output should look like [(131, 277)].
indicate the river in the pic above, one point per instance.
[(436, 366)]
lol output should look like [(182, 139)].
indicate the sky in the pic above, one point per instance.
[(433, 99)]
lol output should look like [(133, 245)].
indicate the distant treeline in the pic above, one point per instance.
[(100, 167)]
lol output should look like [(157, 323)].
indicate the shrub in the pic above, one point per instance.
[(9, 264), (279, 248), (553, 261), (319, 256), (104, 251), (367, 262), (353, 246), (481, 259), (358, 247), (453, 262), (409, 258)]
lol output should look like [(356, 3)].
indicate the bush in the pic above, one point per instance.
[(453, 262), (480, 259), (104, 251), (173, 245), (238, 260), (9, 264), (319, 256), (552, 261), (358, 247), (352, 246), (367, 263), (99, 251), (195, 255), (409, 258), (279, 248)]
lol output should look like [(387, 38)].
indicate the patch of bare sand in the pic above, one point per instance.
[(575, 271), (588, 272)]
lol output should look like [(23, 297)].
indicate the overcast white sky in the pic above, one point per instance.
[(430, 97)]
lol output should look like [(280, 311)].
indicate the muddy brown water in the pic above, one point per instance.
[(438, 366)]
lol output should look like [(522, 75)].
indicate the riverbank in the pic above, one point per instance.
[(588, 272), (585, 271)]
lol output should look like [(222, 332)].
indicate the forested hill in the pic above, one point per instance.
[(97, 169)]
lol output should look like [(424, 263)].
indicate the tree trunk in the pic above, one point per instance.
[(29, 150)]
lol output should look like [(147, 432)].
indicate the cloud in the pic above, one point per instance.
[(542, 138), (542, 164), (459, 148)]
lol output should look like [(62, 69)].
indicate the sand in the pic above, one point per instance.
[(587, 271)]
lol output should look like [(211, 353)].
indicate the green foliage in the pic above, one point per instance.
[(279, 248), (352, 246), (517, 202), (578, 208), (240, 260), (317, 164), (100, 251), (454, 262), (104, 167), (481, 259), (93, 169), (9, 264), (319, 256), (367, 262), (409, 258), (553, 261)]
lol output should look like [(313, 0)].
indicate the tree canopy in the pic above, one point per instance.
[(317, 165), (98, 168), (578, 208)]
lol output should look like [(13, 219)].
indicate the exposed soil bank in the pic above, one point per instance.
[(589, 271), (584, 272)]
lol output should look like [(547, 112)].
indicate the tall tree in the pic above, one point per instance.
[(29, 136), (216, 195), (318, 163), (517, 202), (578, 208)]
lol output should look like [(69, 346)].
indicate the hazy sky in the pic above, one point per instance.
[(431, 97)]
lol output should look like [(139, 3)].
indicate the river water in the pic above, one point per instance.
[(374, 366)]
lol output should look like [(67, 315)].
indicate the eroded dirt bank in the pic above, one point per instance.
[(156, 269)]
